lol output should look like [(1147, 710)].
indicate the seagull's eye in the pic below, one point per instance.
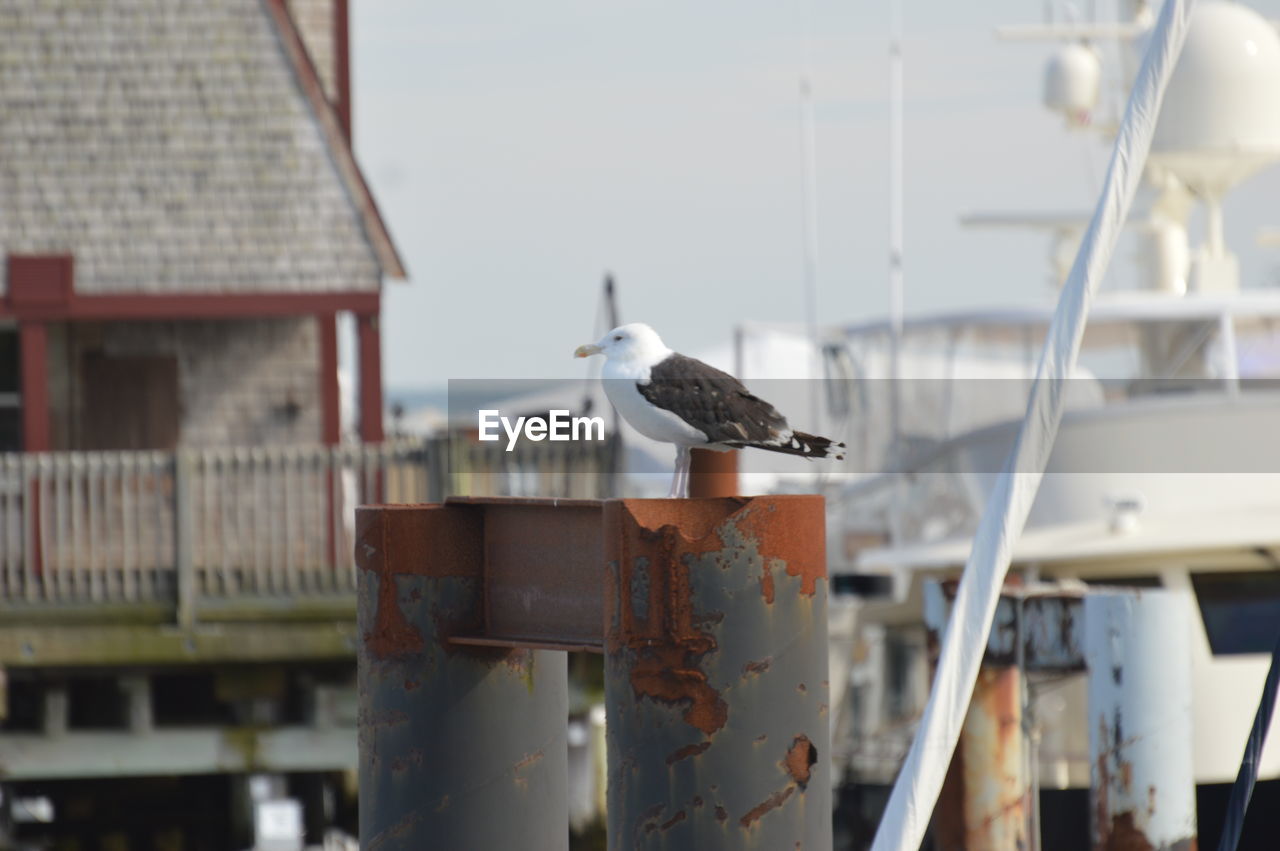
[(617, 338)]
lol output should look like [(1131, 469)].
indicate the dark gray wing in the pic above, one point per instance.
[(714, 402)]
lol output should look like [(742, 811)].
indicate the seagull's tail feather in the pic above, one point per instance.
[(799, 443)]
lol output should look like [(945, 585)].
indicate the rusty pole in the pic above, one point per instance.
[(713, 473), (716, 673), (1139, 658), (995, 781), (460, 746), (985, 799)]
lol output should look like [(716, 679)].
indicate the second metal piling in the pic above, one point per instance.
[(716, 674), (460, 747)]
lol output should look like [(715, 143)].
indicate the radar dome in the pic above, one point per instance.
[(1072, 78), (1220, 121)]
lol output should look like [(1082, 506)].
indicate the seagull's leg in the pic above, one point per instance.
[(677, 474), (686, 463), (680, 476)]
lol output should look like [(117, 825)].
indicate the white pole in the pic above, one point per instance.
[(808, 142), (895, 216), (809, 191), (1142, 781)]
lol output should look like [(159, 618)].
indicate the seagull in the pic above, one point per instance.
[(672, 398)]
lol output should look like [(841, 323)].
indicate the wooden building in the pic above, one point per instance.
[(182, 222)]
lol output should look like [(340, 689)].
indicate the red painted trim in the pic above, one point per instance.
[(196, 306), (330, 425), (342, 63), (40, 281), (370, 348), (33, 348)]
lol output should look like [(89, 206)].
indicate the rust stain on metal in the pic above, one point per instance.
[(519, 662), (697, 800), (800, 759), (785, 526), (697, 519), (766, 584), (801, 688), (667, 638), (761, 739), (721, 813), (755, 668), (657, 676), (396, 833), (686, 752), (649, 818), (526, 762), (1124, 835), (774, 801), (411, 540), (991, 766), (411, 684), (529, 760), (391, 635), (1102, 787), (673, 821)]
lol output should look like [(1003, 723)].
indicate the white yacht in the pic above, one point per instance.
[(1165, 472)]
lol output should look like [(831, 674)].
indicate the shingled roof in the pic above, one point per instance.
[(176, 146)]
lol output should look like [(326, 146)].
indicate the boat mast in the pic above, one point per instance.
[(809, 218), (895, 221)]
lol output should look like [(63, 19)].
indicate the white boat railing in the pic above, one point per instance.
[(227, 523)]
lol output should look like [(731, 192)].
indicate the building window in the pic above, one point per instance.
[(1241, 610)]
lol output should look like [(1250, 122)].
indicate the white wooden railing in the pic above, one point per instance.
[(204, 524)]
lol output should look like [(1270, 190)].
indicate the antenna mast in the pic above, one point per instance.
[(809, 192), (895, 216)]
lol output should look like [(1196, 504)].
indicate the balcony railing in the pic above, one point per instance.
[(195, 527)]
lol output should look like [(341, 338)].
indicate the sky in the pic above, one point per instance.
[(519, 151)]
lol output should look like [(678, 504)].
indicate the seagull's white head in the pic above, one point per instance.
[(633, 342)]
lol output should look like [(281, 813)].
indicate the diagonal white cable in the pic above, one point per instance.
[(915, 792)]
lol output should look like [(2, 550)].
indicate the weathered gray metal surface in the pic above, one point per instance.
[(460, 747), (716, 674), (1142, 780)]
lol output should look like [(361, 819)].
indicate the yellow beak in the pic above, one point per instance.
[(587, 350)]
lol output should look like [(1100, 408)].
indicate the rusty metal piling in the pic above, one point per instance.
[(985, 799), (1139, 660), (460, 746), (715, 641)]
